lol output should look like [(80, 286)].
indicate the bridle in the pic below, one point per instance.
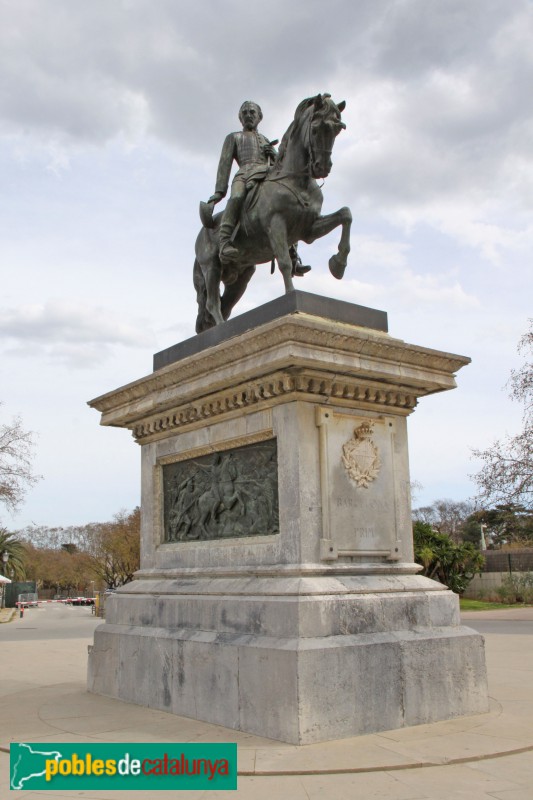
[(312, 150)]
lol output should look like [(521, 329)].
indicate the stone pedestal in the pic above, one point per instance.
[(277, 592)]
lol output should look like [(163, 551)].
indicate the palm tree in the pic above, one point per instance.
[(14, 568)]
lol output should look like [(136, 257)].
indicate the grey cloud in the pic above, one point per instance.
[(77, 68), (450, 132), (72, 356), (70, 324), (415, 36), (456, 77)]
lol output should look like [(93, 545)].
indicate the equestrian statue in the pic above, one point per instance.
[(275, 202)]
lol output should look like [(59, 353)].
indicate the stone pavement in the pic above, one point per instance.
[(43, 699)]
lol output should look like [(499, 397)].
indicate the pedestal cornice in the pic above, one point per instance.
[(295, 357)]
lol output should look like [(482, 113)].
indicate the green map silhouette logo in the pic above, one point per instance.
[(29, 762)]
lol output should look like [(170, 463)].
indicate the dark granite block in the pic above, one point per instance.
[(292, 303)]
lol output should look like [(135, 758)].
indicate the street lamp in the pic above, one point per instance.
[(482, 528), (5, 559)]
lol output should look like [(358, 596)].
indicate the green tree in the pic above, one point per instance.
[(15, 567), (452, 564), (506, 524)]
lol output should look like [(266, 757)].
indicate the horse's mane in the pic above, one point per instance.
[(298, 115)]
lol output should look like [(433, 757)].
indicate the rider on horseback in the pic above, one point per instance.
[(253, 153), (286, 209)]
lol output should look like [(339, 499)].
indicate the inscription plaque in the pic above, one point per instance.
[(358, 486), (222, 495)]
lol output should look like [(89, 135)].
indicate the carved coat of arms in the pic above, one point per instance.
[(360, 456)]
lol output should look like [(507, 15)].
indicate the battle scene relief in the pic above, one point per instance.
[(223, 495)]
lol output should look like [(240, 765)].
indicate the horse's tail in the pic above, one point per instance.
[(204, 320)]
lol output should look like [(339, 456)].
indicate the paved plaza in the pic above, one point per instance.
[(487, 757)]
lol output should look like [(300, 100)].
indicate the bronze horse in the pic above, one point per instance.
[(284, 209)]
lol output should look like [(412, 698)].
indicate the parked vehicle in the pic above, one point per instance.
[(81, 601)]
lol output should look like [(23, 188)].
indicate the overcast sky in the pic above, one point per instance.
[(112, 115)]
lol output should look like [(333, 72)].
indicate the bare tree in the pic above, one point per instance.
[(445, 516), (16, 456), (506, 475)]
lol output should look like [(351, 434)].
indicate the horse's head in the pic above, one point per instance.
[(324, 125), (310, 137)]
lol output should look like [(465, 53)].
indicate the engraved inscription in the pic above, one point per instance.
[(366, 505), (222, 495), (365, 533)]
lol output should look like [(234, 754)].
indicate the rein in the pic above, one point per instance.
[(312, 150), (307, 170), (289, 188)]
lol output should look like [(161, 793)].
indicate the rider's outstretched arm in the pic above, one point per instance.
[(224, 167)]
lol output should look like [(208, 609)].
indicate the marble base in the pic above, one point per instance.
[(316, 625), (300, 659)]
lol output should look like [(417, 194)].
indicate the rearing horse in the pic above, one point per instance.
[(285, 210)]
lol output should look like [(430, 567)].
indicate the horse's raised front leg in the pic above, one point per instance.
[(280, 247), (324, 225)]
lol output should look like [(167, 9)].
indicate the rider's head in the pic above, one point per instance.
[(250, 115)]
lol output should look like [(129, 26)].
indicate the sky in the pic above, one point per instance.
[(112, 116)]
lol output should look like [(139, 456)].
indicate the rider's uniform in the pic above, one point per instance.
[(246, 148)]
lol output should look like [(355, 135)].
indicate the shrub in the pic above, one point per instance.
[(452, 564), (517, 589)]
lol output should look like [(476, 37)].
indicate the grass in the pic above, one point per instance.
[(481, 605)]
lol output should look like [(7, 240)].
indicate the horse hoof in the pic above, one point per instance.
[(337, 267)]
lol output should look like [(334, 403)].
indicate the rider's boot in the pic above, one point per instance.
[(298, 267), (226, 252)]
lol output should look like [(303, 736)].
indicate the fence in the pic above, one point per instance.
[(484, 586), (499, 565), (508, 561), (12, 591)]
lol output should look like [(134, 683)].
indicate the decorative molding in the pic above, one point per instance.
[(216, 447), (370, 353), (282, 386)]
